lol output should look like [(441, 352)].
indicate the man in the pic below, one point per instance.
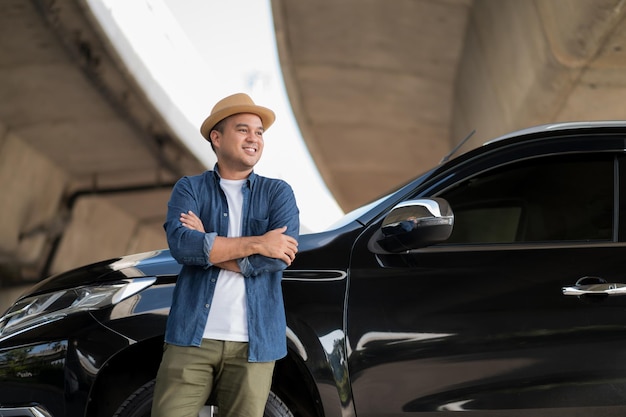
[(234, 232)]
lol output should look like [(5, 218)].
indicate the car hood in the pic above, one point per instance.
[(154, 263)]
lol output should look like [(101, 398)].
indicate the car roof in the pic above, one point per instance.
[(560, 127)]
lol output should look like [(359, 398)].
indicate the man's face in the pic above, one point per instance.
[(240, 147)]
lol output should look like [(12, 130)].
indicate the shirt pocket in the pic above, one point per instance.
[(259, 226)]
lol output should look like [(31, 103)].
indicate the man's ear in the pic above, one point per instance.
[(215, 137)]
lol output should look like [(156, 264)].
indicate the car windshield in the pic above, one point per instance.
[(357, 214)]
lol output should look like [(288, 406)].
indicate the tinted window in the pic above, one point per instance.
[(564, 198)]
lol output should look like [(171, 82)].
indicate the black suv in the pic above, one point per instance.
[(492, 284)]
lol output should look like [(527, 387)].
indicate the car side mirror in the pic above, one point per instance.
[(414, 224)]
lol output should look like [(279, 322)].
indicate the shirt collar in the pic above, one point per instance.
[(216, 175)]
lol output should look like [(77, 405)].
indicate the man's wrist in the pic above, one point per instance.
[(252, 245)]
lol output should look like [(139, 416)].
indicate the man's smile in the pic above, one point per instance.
[(252, 150)]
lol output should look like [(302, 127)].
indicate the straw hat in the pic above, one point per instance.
[(236, 103)]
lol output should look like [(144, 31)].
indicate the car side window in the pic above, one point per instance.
[(548, 199)]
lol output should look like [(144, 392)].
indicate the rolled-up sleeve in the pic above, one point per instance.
[(209, 240), (187, 246)]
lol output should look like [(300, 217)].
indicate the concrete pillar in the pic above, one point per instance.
[(31, 188), (98, 230), (529, 62)]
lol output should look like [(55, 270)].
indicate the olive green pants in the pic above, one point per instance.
[(189, 375)]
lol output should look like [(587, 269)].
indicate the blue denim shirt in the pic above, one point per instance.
[(267, 204)]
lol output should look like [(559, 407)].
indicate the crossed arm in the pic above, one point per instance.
[(226, 250)]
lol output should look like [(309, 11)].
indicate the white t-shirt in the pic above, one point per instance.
[(228, 314)]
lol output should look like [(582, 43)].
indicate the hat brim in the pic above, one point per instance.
[(267, 117)]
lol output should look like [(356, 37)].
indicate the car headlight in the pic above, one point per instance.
[(45, 308)]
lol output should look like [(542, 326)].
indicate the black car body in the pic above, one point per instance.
[(492, 283)]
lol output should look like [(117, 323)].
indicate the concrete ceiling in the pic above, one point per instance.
[(369, 80), (381, 90)]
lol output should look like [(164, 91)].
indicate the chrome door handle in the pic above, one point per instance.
[(596, 289), (594, 286)]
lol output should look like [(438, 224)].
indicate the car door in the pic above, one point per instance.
[(481, 322)]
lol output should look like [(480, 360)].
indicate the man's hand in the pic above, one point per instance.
[(273, 244), (276, 244), (191, 221)]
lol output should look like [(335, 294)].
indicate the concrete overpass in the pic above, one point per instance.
[(381, 91)]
